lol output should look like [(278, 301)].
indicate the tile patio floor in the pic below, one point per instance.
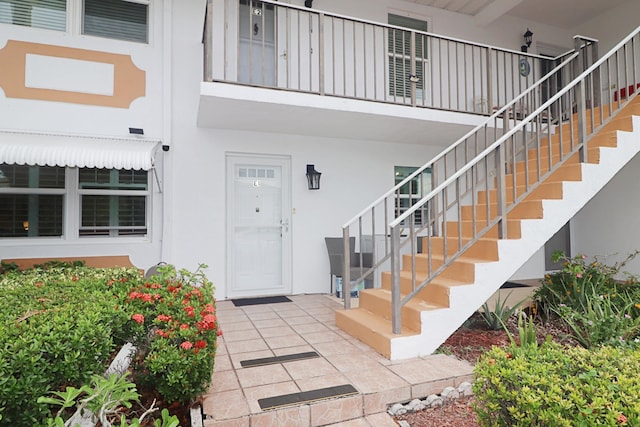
[(303, 325)]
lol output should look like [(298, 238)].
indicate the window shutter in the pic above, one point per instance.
[(400, 54), (116, 19), (49, 14)]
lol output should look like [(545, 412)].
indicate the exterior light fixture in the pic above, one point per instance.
[(313, 177), (528, 38), (308, 3)]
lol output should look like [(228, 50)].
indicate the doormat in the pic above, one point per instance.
[(278, 359), (511, 285), (306, 396), (255, 301)]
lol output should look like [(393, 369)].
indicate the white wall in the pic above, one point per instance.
[(609, 225)]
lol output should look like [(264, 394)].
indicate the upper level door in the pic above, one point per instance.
[(257, 45)]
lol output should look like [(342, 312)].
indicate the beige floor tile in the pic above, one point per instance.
[(225, 405), (336, 410), (291, 312), (354, 361), (222, 363), (276, 332), (310, 327), (358, 422), (269, 390), (289, 417), (317, 337), (231, 317), (284, 342), (335, 347), (246, 346), (381, 419), (324, 381), (237, 358), (242, 335), (275, 322), (262, 375), (299, 320), (237, 326), (309, 368), (224, 381), (262, 315), (373, 380), (240, 422), (293, 350)]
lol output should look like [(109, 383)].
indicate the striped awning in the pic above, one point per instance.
[(77, 151)]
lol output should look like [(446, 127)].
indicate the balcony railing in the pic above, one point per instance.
[(282, 46)]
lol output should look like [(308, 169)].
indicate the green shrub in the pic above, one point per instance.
[(60, 324), (496, 318), (550, 385), (55, 329)]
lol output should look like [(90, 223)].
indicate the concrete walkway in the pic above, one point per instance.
[(307, 324)]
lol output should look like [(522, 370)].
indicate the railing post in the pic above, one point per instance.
[(321, 53), (501, 191), (208, 42), (597, 92), (346, 270), (489, 80), (433, 208), (396, 317), (581, 105), (413, 78)]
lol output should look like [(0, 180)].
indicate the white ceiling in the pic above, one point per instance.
[(559, 13)]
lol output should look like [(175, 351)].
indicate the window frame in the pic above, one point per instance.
[(72, 209), (82, 15)]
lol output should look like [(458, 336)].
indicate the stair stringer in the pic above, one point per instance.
[(438, 325)]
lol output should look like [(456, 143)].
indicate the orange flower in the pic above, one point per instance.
[(138, 318), (186, 345)]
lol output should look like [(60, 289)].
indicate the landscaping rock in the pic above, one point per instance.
[(465, 389), (450, 393), (415, 405)]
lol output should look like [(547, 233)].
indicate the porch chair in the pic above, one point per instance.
[(335, 248)]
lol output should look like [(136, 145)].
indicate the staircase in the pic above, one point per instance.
[(491, 221)]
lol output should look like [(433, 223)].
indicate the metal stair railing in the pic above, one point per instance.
[(538, 142), (294, 48), (372, 226)]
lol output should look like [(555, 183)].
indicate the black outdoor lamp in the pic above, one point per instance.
[(313, 177), (528, 38)]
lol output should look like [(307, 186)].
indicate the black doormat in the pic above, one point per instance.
[(306, 396), (511, 285), (278, 359), (255, 301)]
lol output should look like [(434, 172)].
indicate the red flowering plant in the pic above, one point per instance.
[(172, 319)]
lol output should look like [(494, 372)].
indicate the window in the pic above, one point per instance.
[(113, 202), (31, 201), (49, 14), (117, 19), (35, 201), (410, 193), (400, 56)]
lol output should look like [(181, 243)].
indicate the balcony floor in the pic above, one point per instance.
[(279, 111)]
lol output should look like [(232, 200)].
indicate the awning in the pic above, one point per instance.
[(77, 151)]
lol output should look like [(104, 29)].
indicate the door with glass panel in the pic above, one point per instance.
[(258, 219), (400, 54), (257, 44)]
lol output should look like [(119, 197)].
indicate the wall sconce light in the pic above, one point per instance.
[(25, 225), (308, 3), (313, 177), (528, 38)]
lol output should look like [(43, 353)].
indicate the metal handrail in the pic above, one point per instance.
[(584, 94), (329, 54)]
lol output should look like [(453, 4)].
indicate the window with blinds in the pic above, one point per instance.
[(399, 42), (49, 14), (31, 201), (117, 19), (37, 201), (113, 202)]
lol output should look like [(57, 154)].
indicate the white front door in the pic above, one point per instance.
[(258, 219)]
